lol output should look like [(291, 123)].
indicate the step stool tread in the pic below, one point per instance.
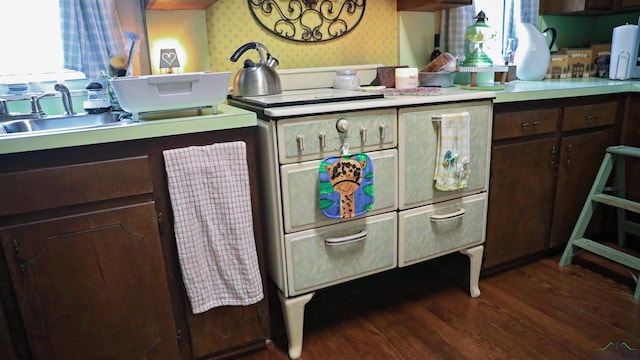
[(617, 202), (624, 150), (608, 252)]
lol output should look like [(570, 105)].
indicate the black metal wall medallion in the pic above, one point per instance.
[(308, 20)]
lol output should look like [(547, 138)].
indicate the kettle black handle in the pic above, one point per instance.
[(553, 36), (248, 46)]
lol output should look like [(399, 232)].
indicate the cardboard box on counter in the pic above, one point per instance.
[(580, 62), (558, 67)]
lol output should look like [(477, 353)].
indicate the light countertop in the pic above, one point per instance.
[(229, 117), (553, 89)]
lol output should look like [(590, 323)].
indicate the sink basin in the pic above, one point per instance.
[(64, 122)]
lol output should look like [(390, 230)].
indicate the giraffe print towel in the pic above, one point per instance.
[(211, 201), (346, 186)]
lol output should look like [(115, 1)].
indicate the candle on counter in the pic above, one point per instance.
[(406, 78)]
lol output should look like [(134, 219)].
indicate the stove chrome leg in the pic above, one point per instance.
[(475, 260), (293, 311)]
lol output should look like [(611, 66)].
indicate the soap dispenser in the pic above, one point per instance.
[(95, 103)]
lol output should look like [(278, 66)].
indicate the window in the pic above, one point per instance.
[(34, 43)]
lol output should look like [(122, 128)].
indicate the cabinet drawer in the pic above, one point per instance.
[(418, 139), (316, 137), (312, 263), (525, 123), (442, 228), (74, 184), (586, 116), (300, 191)]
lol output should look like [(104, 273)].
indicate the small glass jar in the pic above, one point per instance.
[(346, 80)]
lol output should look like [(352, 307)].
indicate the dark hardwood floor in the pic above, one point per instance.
[(535, 311)]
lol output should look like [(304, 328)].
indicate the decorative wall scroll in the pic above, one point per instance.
[(308, 20)]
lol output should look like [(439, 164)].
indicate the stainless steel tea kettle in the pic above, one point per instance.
[(256, 79)]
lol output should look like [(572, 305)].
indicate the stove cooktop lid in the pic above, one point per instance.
[(308, 96)]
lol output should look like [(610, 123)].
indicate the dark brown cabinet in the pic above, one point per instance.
[(89, 261), (553, 7), (545, 155), (579, 161), (520, 200), (92, 285), (430, 5)]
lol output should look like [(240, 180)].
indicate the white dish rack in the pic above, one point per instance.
[(171, 92)]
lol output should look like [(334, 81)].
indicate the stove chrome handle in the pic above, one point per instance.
[(300, 140), (362, 235), (450, 216), (363, 134), (383, 131), (323, 139)]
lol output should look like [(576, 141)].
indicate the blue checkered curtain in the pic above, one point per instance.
[(455, 22), (519, 11), (91, 35)]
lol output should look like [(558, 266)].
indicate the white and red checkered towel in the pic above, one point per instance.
[(211, 200)]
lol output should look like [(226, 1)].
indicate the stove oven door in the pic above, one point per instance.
[(418, 130)]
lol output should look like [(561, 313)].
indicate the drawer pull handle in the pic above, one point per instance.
[(450, 216), (362, 235), (593, 117), (527, 124), (300, 140), (363, 134)]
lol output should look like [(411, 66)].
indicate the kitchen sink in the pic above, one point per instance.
[(63, 122)]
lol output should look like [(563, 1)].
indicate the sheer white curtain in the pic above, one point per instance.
[(455, 22), (91, 35)]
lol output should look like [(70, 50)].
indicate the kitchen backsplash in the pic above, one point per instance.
[(582, 31), (375, 39)]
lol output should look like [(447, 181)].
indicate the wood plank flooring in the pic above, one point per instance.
[(535, 311)]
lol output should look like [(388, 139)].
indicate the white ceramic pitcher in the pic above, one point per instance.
[(532, 56)]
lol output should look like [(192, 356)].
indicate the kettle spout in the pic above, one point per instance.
[(271, 61)]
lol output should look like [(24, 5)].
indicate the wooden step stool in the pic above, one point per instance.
[(615, 155)]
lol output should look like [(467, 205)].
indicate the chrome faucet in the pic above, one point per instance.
[(66, 99), (36, 110)]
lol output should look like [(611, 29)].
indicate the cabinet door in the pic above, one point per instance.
[(226, 327), (580, 159), (93, 285), (520, 200)]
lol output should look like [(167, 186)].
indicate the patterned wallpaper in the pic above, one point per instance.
[(375, 39)]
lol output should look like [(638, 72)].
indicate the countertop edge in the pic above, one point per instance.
[(228, 117)]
